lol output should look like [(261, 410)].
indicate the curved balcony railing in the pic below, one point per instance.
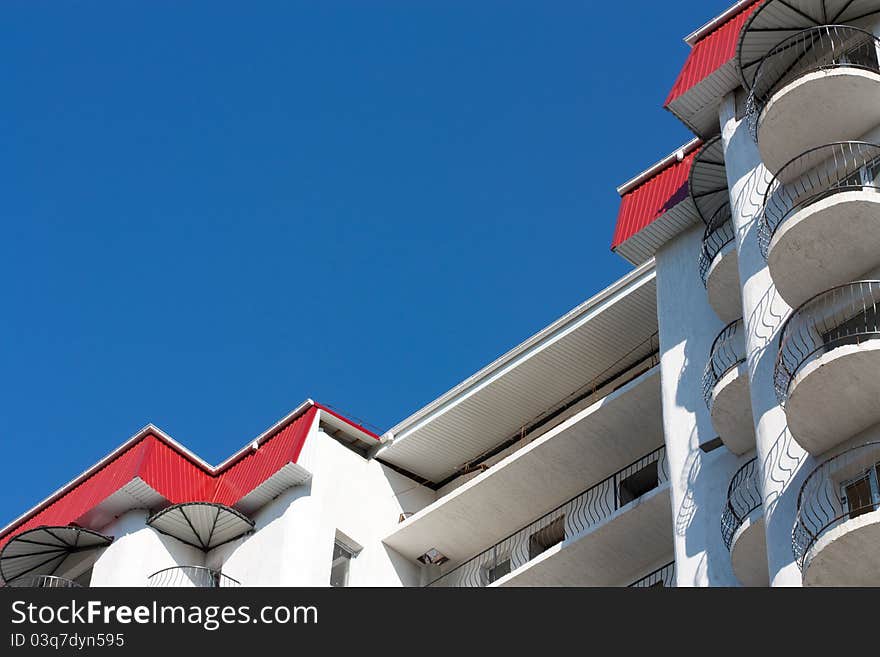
[(743, 497), (661, 578), (569, 519), (840, 489), (44, 582), (727, 352), (844, 315), (813, 176), (191, 577), (815, 49), (719, 233)]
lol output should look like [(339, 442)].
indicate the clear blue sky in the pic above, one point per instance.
[(215, 210)]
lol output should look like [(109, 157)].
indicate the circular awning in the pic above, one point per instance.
[(776, 20), (203, 525), (708, 179), (43, 550)]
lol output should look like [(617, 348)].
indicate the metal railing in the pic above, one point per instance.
[(840, 489), (719, 233), (662, 577), (815, 49), (813, 176), (844, 315), (743, 497), (191, 577), (727, 352), (44, 582), (567, 520)]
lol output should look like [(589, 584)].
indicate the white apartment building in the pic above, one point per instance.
[(711, 419)]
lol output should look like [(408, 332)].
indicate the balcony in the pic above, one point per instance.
[(601, 537), (818, 86), (719, 266), (191, 577), (837, 528), (742, 527), (44, 582), (826, 370), (662, 578), (819, 228), (726, 389)]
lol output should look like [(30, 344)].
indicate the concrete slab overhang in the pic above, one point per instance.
[(722, 284), (846, 554), (534, 480), (834, 396), (748, 551), (827, 243), (610, 553), (815, 109), (731, 410)]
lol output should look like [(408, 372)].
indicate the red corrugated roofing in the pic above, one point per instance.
[(175, 475), (647, 202), (709, 54)]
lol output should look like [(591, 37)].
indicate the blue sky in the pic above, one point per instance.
[(215, 210)]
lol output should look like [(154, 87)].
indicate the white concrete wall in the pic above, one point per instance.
[(138, 551), (295, 534), (688, 327), (783, 464)]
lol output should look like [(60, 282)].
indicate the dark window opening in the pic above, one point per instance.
[(544, 539), (499, 571), (636, 485)]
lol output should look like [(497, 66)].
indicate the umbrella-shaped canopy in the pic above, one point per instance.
[(708, 179), (42, 551), (204, 525)]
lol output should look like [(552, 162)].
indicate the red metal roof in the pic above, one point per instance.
[(175, 475), (648, 201), (710, 53)]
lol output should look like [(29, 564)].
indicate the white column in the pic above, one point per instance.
[(783, 464)]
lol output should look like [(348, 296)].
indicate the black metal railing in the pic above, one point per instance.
[(191, 577), (743, 497), (840, 489), (813, 176), (815, 49), (719, 233), (844, 315), (43, 582), (567, 520), (661, 578), (727, 352)]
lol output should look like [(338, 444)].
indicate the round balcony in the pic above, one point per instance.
[(742, 527), (818, 86), (826, 370), (44, 582), (726, 389), (820, 229), (719, 266), (191, 577), (837, 527)]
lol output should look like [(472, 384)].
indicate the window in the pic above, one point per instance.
[(499, 571), (636, 485), (544, 539), (342, 556), (862, 494)]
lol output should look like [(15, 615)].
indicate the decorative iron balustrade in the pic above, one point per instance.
[(726, 354), (743, 497), (719, 233), (821, 172), (565, 521), (844, 315), (820, 48), (43, 582), (661, 578), (842, 488), (191, 577)]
